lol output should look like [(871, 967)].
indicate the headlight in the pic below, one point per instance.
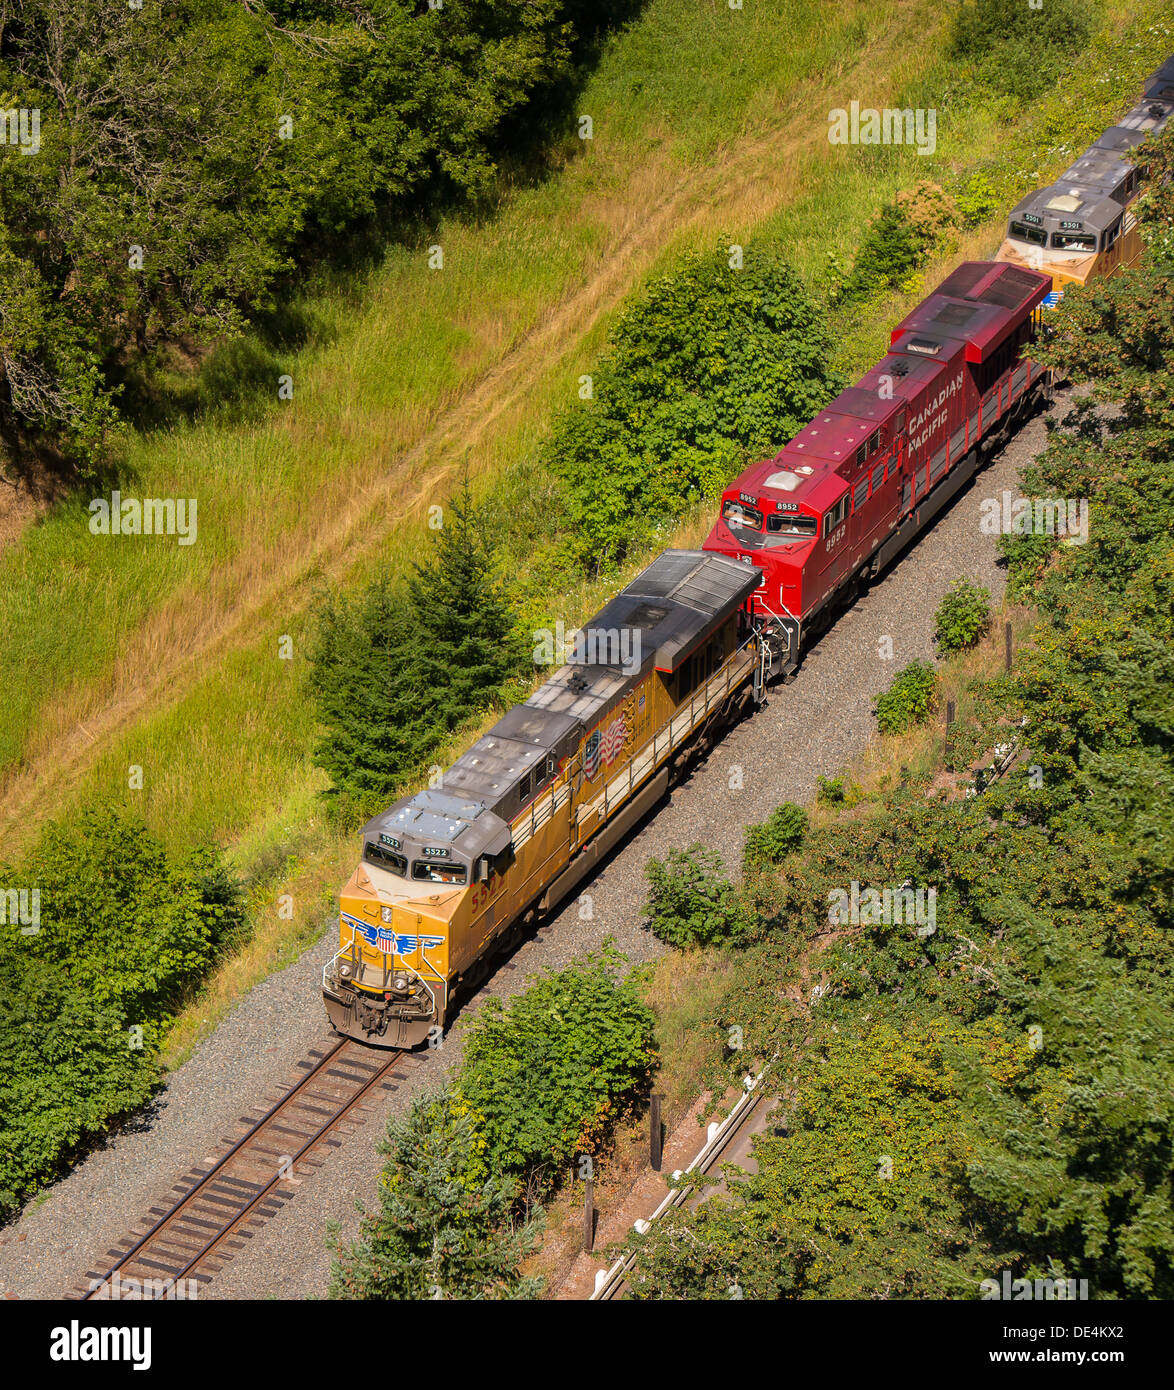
[(401, 983), (387, 914)]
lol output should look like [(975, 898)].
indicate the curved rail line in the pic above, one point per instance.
[(193, 1238)]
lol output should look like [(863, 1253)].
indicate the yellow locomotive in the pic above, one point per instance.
[(451, 875), (1083, 226)]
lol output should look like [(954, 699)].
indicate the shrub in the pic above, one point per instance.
[(445, 1227), (900, 238), (829, 790), (706, 368), (909, 700), (978, 201), (550, 1074), (1014, 49), (691, 903), (125, 929), (782, 832), (963, 616)]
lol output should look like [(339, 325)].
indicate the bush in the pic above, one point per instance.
[(963, 616), (691, 903), (549, 1075), (1017, 50), (909, 700), (782, 832), (900, 238), (829, 790), (706, 369), (445, 1227), (125, 930)]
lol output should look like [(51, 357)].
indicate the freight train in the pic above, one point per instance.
[(846, 495), (1083, 226), (453, 875)]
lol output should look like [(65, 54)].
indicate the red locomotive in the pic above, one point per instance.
[(879, 462)]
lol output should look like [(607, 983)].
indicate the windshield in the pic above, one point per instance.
[(432, 872), (781, 530), (1074, 241), (1020, 231), (385, 858), (739, 514)]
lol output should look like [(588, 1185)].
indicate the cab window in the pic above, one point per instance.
[(1020, 231), (837, 514), (429, 871), (792, 524), (385, 858), (735, 513), (1073, 241)]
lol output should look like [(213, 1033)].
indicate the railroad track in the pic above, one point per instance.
[(174, 1250)]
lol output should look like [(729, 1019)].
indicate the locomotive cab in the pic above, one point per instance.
[(423, 861)]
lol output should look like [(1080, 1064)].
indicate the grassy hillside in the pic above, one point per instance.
[(708, 125)]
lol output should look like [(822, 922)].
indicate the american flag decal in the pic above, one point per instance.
[(604, 746), (613, 740)]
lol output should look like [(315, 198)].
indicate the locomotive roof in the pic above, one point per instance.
[(1068, 202), (1099, 170), (439, 817), (971, 312), (976, 308), (674, 604)]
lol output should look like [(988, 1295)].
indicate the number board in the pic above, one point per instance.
[(1072, 226), (1032, 218), (390, 840), (435, 852)]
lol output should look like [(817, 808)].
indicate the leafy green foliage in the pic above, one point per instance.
[(445, 1227), (782, 831), (1015, 49), (231, 142), (909, 700), (394, 672), (1076, 1158), (124, 931), (901, 237), (829, 790), (963, 616), (542, 1081), (707, 368), (550, 1074), (690, 901)]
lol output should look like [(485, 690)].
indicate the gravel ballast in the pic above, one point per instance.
[(810, 727)]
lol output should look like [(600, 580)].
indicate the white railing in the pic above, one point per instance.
[(608, 1280)]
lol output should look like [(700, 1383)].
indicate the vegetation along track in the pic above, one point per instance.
[(218, 1208)]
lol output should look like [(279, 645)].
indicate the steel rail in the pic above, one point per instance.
[(217, 1168)]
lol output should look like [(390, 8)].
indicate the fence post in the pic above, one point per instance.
[(949, 724), (588, 1215), (1007, 644), (654, 1133)]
